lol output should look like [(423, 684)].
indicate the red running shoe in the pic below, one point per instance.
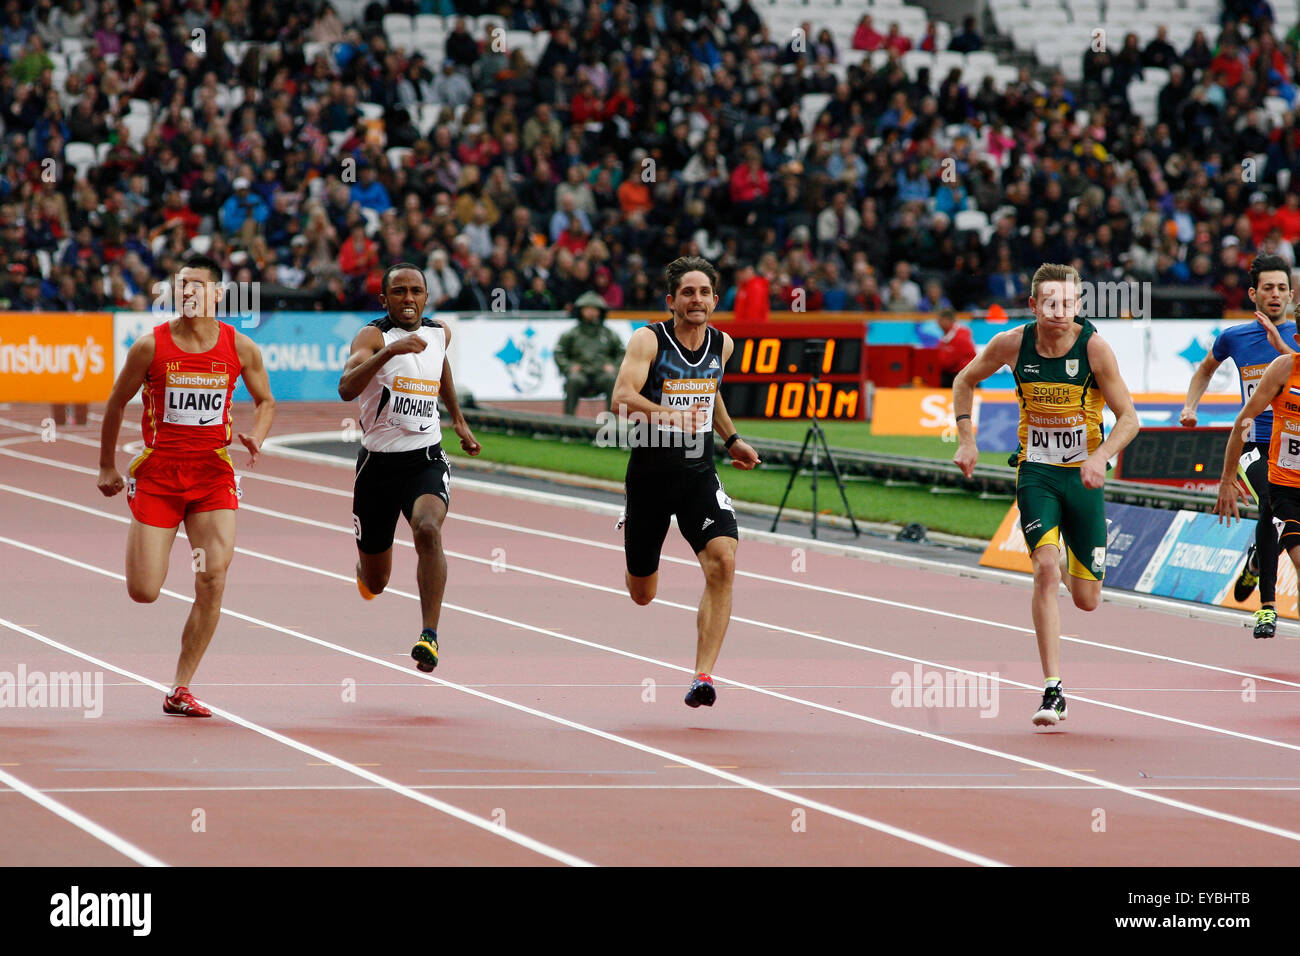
[(183, 704)]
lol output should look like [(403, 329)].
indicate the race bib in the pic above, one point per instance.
[(1250, 376), (1288, 452), (685, 392), (1057, 446), (195, 398), (414, 405)]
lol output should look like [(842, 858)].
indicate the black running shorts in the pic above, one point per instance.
[(703, 511), (1285, 502), (387, 484)]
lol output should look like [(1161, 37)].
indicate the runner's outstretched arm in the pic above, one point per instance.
[(1196, 388), (259, 386), (1269, 387), (743, 455), (129, 380), (1001, 350), (447, 392), (1101, 358)]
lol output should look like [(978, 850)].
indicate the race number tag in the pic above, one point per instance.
[(685, 392), (1288, 452), (414, 405), (1250, 376), (1057, 446), (195, 398)]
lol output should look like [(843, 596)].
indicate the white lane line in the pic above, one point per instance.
[(793, 788), (1034, 688), (100, 833), (827, 809), (834, 811), (514, 836), (921, 563)]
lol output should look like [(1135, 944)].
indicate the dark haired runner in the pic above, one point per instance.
[(399, 370), (670, 386), (188, 368)]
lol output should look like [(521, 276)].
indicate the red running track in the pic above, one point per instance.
[(553, 732)]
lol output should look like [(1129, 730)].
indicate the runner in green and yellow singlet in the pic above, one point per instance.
[(1065, 372)]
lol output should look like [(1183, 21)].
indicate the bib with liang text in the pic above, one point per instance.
[(685, 392), (195, 398), (1057, 439), (414, 404)]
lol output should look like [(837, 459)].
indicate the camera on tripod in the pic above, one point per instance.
[(810, 363), (814, 355)]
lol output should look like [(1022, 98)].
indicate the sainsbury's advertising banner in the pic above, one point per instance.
[(56, 356)]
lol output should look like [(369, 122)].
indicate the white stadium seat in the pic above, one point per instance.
[(397, 156), (397, 26), (80, 156)]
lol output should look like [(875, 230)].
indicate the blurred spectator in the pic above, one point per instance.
[(451, 87), (359, 254), (750, 295), (477, 292), (968, 41), (588, 354), (1160, 52), (902, 294), (538, 297), (461, 48), (369, 193), (956, 347), (866, 37), (444, 281), (895, 41), (243, 208)]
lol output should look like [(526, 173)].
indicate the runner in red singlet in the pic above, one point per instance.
[(187, 368)]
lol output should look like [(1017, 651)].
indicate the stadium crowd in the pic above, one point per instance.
[(643, 132)]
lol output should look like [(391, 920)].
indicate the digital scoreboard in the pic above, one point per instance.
[(1188, 458), (769, 374)]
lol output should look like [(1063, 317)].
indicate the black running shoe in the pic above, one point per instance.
[(1265, 622), (701, 693), (425, 652), (1248, 579), (1052, 710)]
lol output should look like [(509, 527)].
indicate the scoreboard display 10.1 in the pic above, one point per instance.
[(771, 369)]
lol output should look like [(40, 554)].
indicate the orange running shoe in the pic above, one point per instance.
[(183, 704)]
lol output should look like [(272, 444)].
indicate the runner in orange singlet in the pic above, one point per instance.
[(188, 368), (1280, 388)]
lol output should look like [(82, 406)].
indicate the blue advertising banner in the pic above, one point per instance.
[(1133, 534), (304, 352), (998, 424), (1198, 559)]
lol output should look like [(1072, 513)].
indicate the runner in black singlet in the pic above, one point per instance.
[(668, 389)]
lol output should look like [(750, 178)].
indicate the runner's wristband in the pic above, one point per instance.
[(735, 437), (960, 417)]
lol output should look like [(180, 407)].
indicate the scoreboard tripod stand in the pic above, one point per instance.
[(815, 438)]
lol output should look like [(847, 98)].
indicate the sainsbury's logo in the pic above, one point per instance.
[(35, 357)]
